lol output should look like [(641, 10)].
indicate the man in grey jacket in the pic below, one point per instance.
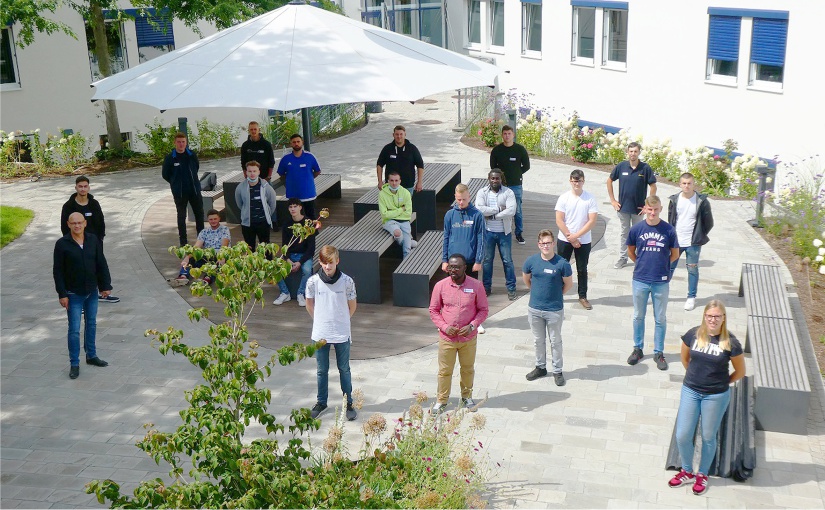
[(256, 200), (498, 205)]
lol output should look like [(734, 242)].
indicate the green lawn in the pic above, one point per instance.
[(13, 222)]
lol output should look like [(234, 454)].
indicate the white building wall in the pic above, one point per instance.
[(55, 90)]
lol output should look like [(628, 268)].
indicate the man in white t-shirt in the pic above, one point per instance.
[(330, 301), (576, 213), (689, 213)]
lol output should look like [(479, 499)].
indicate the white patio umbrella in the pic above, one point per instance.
[(294, 57)]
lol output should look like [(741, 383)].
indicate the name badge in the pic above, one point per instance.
[(512, 159), (392, 156), (468, 222), (302, 165), (664, 278), (468, 291), (549, 271), (257, 197), (88, 214), (176, 164), (625, 173)]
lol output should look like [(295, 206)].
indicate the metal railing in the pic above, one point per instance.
[(475, 103)]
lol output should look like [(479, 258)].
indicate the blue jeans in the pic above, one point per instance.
[(692, 262), (306, 272), (342, 359), (517, 190), (658, 292), (505, 250), (77, 305), (711, 409), (406, 234)]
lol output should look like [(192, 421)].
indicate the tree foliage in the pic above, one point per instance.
[(32, 15)]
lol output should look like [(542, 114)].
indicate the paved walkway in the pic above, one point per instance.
[(598, 442)]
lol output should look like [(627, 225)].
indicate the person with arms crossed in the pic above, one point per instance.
[(576, 213), (498, 205), (512, 159), (404, 157)]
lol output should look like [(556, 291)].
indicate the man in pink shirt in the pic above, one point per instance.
[(457, 307)]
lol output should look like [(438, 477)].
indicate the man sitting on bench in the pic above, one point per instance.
[(213, 236), (395, 204)]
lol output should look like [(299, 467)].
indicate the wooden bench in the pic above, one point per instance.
[(411, 279), (780, 378), (360, 248), (326, 185), (440, 180), (209, 197), (326, 235)]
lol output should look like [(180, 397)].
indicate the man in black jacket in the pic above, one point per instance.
[(257, 148), (80, 271), (180, 170), (84, 203), (689, 213)]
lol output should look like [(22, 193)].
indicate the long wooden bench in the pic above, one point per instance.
[(780, 378), (326, 235), (411, 279), (440, 180), (326, 185), (209, 197), (360, 248)]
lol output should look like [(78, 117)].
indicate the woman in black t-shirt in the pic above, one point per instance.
[(707, 353)]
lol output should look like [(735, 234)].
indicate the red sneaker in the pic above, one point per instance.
[(680, 479), (701, 484)]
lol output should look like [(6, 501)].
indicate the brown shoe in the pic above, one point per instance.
[(585, 303)]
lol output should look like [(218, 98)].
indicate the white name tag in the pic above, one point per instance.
[(549, 271), (302, 165), (468, 291), (260, 151), (176, 164), (512, 159), (88, 214), (625, 173), (468, 222), (392, 156), (664, 278)]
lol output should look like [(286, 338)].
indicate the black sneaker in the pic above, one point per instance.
[(351, 412), (511, 295), (659, 358), (520, 239), (317, 410), (108, 299), (96, 362), (74, 371), (559, 379), (635, 357), (536, 373)]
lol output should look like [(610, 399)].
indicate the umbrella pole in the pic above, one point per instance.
[(307, 128)]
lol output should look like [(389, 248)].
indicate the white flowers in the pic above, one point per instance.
[(818, 242)]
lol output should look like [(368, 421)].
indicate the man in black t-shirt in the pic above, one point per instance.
[(513, 160), (402, 156)]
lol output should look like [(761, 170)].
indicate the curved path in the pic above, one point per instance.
[(600, 441)]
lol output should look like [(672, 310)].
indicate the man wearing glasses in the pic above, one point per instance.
[(652, 245), (576, 213)]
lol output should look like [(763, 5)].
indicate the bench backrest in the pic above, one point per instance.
[(426, 257)]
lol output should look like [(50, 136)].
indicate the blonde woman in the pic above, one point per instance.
[(707, 353)]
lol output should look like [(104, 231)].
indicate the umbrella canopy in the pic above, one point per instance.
[(294, 57)]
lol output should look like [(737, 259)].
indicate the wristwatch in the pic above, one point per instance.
[(472, 327)]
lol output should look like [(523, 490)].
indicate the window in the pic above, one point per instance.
[(474, 22), (431, 23), (423, 19), (117, 49), (372, 12), (584, 33), (497, 23), (614, 49), (723, 48), (8, 61), (154, 36), (768, 51), (531, 26)]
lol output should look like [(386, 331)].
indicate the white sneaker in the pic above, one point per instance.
[(690, 304), (301, 300), (413, 243), (283, 298), (481, 330)]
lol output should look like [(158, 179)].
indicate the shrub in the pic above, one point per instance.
[(662, 159), (159, 139), (72, 149), (489, 130), (531, 132), (710, 172), (585, 144)]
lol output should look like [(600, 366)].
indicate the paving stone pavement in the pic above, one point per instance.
[(598, 442)]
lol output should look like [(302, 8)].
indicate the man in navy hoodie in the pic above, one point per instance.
[(464, 232), (180, 170)]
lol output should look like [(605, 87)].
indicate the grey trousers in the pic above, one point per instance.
[(547, 324), (626, 220)]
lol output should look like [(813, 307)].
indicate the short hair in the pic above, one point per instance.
[(652, 200), (180, 134), (294, 201), (399, 128), (577, 174), (253, 123), (546, 233), (81, 178), (687, 175), (253, 163), (393, 172), (328, 254), (634, 144), (213, 212), (506, 128), (461, 188), (495, 171), (458, 256), (294, 136)]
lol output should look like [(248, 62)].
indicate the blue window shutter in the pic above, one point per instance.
[(723, 38), (769, 39), (531, 2), (157, 35)]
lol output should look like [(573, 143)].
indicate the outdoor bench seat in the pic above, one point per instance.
[(209, 197), (326, 185), (411, 279)]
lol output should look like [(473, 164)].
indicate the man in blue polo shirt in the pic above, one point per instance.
[(652, 245), (634, 177), (299, 170)]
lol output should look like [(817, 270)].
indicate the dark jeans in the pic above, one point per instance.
[(566, 250), (196, 201), (259, 231), (309, 209)]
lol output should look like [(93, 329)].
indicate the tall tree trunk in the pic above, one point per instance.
[(105, 65)]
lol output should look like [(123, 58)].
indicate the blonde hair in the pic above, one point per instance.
[(702, 335), (461, 188), (652, 200)]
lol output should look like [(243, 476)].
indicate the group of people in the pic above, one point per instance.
[(473, 229)]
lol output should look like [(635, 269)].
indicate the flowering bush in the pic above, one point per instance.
[(530, 131), (745, 181), (710, 171), (585, 144), (819, 260), (614, 146), (60, 154), (662, 159), (489, 130)]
